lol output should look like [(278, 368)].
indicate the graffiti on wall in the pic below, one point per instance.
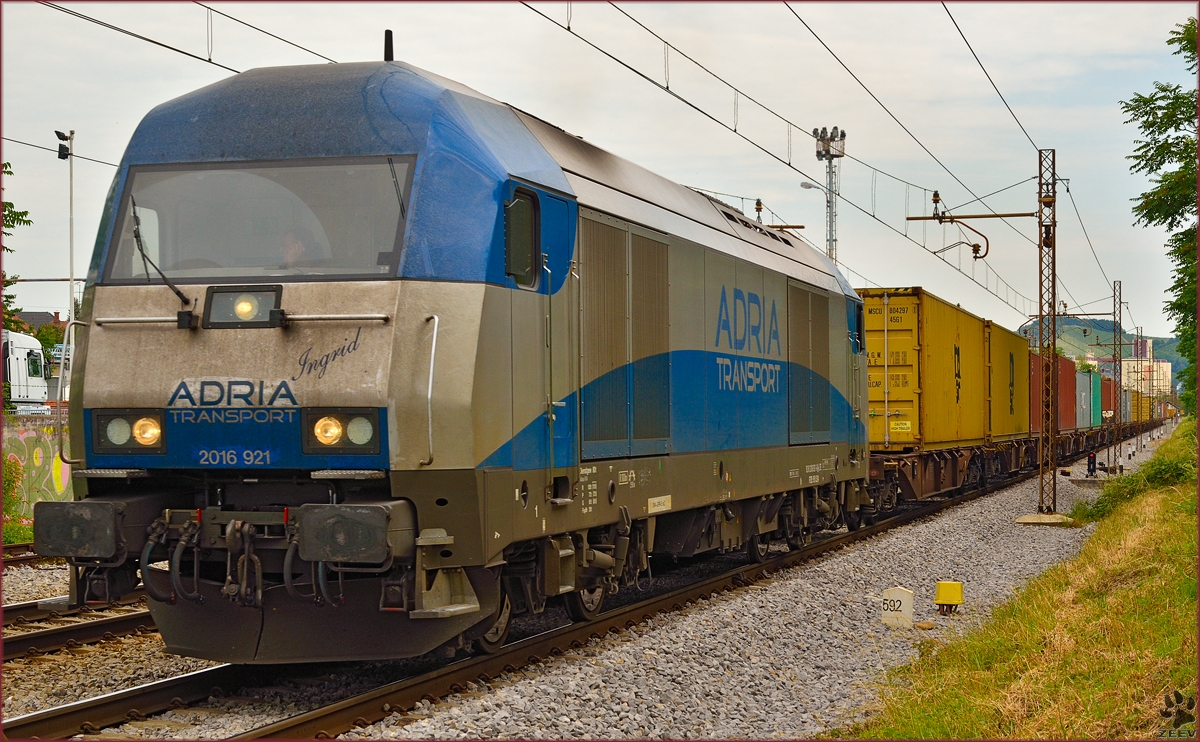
[(34, 442)]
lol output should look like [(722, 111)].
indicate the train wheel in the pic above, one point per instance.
[(757, 548), (584, 604), (868, 517), (495, 637), (853, 519)]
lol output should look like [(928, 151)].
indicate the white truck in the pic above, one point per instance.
[(26, 370)]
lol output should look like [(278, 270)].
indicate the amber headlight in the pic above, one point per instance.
[(327, 431), (147, 431), (341, 430), (127, 431)]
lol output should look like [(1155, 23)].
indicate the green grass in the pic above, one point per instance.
[(1173, 463), (1086, 650), (17, 533)]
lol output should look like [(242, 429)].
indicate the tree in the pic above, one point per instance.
[(12, 219), (1166, 119), (49, 335)]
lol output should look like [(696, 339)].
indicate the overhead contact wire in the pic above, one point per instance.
[(764, 150), (51, 149), (118, 29), (988, 76), (268, 33), (742, 93)]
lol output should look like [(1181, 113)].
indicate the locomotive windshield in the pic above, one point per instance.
[(276, 220)]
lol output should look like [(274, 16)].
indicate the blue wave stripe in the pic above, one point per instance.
[(718, 402)]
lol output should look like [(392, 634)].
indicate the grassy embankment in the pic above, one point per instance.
[(1089, 648)]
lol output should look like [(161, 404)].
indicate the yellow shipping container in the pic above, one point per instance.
[(1008, 359), (953, 379)]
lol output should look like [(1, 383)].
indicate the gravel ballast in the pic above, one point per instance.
[(793, 656), (790, 656), (25, 582)]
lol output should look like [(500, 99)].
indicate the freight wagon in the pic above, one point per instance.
[(947, 395)]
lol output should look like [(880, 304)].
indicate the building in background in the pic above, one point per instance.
[(37, 319)]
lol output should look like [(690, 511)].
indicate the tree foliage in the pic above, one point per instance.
[(1166, 153), (12, 218)]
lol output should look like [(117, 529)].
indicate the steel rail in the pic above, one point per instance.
[(373, 706), (93, 714), (15, 554), (83, 631), (37, 610)]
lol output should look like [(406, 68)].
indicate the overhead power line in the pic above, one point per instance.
[(742, 94), (98, 22), (979, 199), (989, 77), (268, 33), (48, 149), (1085, 234), (1026, 133), (993, 193), (1008, 287)]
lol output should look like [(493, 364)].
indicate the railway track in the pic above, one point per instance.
[(91, 715), (40, 626), (16, 554)]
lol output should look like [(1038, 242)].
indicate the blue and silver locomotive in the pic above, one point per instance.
[(370, 363)]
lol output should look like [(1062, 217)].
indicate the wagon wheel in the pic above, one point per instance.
[(584, 603), (757, 548), (495, 637), (852, 519)]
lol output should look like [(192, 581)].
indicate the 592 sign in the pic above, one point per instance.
[(897, 607)]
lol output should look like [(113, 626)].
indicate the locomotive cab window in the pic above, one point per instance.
[(337, 218), (522, 253)]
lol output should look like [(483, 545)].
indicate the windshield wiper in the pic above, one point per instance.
[(137, 238)]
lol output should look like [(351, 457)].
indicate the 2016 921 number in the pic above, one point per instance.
[(231, 457)]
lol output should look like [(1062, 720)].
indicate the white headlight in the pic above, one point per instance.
[(360, 431), (118, 431)]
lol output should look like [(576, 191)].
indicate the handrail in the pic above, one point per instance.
[(100, 321), (336, 317), (68, 364), (429, 391), (134, 320)]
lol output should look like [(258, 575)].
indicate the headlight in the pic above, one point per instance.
[(127, 431), (237, 307), (147, 431), (117, 431), (246, 307), (328, 431), (360, 431), (341, 430)]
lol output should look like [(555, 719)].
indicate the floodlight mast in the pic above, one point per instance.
[(831, 145)]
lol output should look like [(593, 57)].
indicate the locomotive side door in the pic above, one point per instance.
[(539, 242)]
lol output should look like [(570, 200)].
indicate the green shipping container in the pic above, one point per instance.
[(1097, 408)]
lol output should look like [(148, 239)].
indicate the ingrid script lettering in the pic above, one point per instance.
[(310, 363)]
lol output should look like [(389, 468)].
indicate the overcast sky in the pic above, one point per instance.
[(1062, 67)]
